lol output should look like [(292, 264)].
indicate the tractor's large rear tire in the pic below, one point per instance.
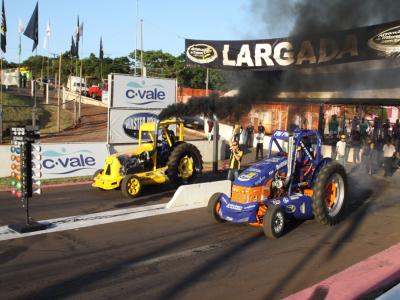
[(185, 164), (329, 200)]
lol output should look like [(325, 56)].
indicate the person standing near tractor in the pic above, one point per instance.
[(389, 152), (249, 135), (333, 126), (341, 149), (396, 135), (363, 129), (368, 148), (210, 124), (237, 131), (234, 161), (260, 143)]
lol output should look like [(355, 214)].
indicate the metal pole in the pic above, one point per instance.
[(34, 104), (1, 98), (58, 95), (41, 71), (207, 82), (137, 26), (47, 93), (215, 143), (141, 45), (80, 94)]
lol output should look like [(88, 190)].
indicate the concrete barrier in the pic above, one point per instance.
[(199, 193), (69, 96)]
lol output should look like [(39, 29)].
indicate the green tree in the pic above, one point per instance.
[(157, 63)]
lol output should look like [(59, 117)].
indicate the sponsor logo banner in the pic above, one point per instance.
[(70, 160), (360, 44), (124, 124), (143, 92)]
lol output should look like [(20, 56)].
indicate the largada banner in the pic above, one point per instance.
[(366, 43), (125, 123), (142, 92)]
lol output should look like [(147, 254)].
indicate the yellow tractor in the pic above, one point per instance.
[(161, 156)]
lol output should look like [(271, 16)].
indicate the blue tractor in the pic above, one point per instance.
[(294, 181)]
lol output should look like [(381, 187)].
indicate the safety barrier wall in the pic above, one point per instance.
[(83, 159), (70, 96)]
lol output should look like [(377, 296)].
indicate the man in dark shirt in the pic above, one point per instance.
[(249, 135)]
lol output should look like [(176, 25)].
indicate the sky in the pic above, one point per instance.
[(166, 23)]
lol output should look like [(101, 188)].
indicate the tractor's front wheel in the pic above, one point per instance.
[(329, 200), (274, 222), (214, 206), (131, 186)]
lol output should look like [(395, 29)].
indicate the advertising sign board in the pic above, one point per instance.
[(142, 92), (124, 124), (66, 160)]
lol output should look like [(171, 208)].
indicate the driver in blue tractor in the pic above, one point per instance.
[(304, 156)]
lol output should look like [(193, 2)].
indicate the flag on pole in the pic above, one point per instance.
[(81, 30), (101, 52), (32, 30), (20, 26), (47, 35), (73, 47), (20, 30), (3, 29), (77, 39)]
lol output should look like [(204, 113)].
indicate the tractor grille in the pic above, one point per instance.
[(246, 195)]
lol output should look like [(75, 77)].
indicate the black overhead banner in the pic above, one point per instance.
[(366, 43)]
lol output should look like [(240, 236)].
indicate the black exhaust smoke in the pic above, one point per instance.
[(253, 87)]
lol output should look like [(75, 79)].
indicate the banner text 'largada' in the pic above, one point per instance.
[(366, 43)]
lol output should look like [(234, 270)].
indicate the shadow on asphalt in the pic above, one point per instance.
[(82, 282), (212, 264)]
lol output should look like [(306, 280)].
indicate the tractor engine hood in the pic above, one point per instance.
[(259, 173)]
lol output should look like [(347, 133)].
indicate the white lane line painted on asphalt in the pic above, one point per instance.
[(76, 222), (174, 256)]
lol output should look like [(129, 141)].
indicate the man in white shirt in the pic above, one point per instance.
[(388, 154), (341, 149), (260, 143)]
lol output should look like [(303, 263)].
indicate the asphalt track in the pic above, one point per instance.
[(185, 255)]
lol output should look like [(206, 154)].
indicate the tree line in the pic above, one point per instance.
[(157, 64)]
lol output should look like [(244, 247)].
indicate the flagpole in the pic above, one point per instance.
[(58, 95), (101, 70), (137, 26), (1, 97), (19, 62), (141, 45), (34, 100)]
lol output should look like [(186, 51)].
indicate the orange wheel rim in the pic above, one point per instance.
[(217, 207), (330, 194)]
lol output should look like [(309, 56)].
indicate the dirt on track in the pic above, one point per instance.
[(92, 127)]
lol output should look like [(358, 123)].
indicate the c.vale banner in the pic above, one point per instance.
[(366, 43)]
